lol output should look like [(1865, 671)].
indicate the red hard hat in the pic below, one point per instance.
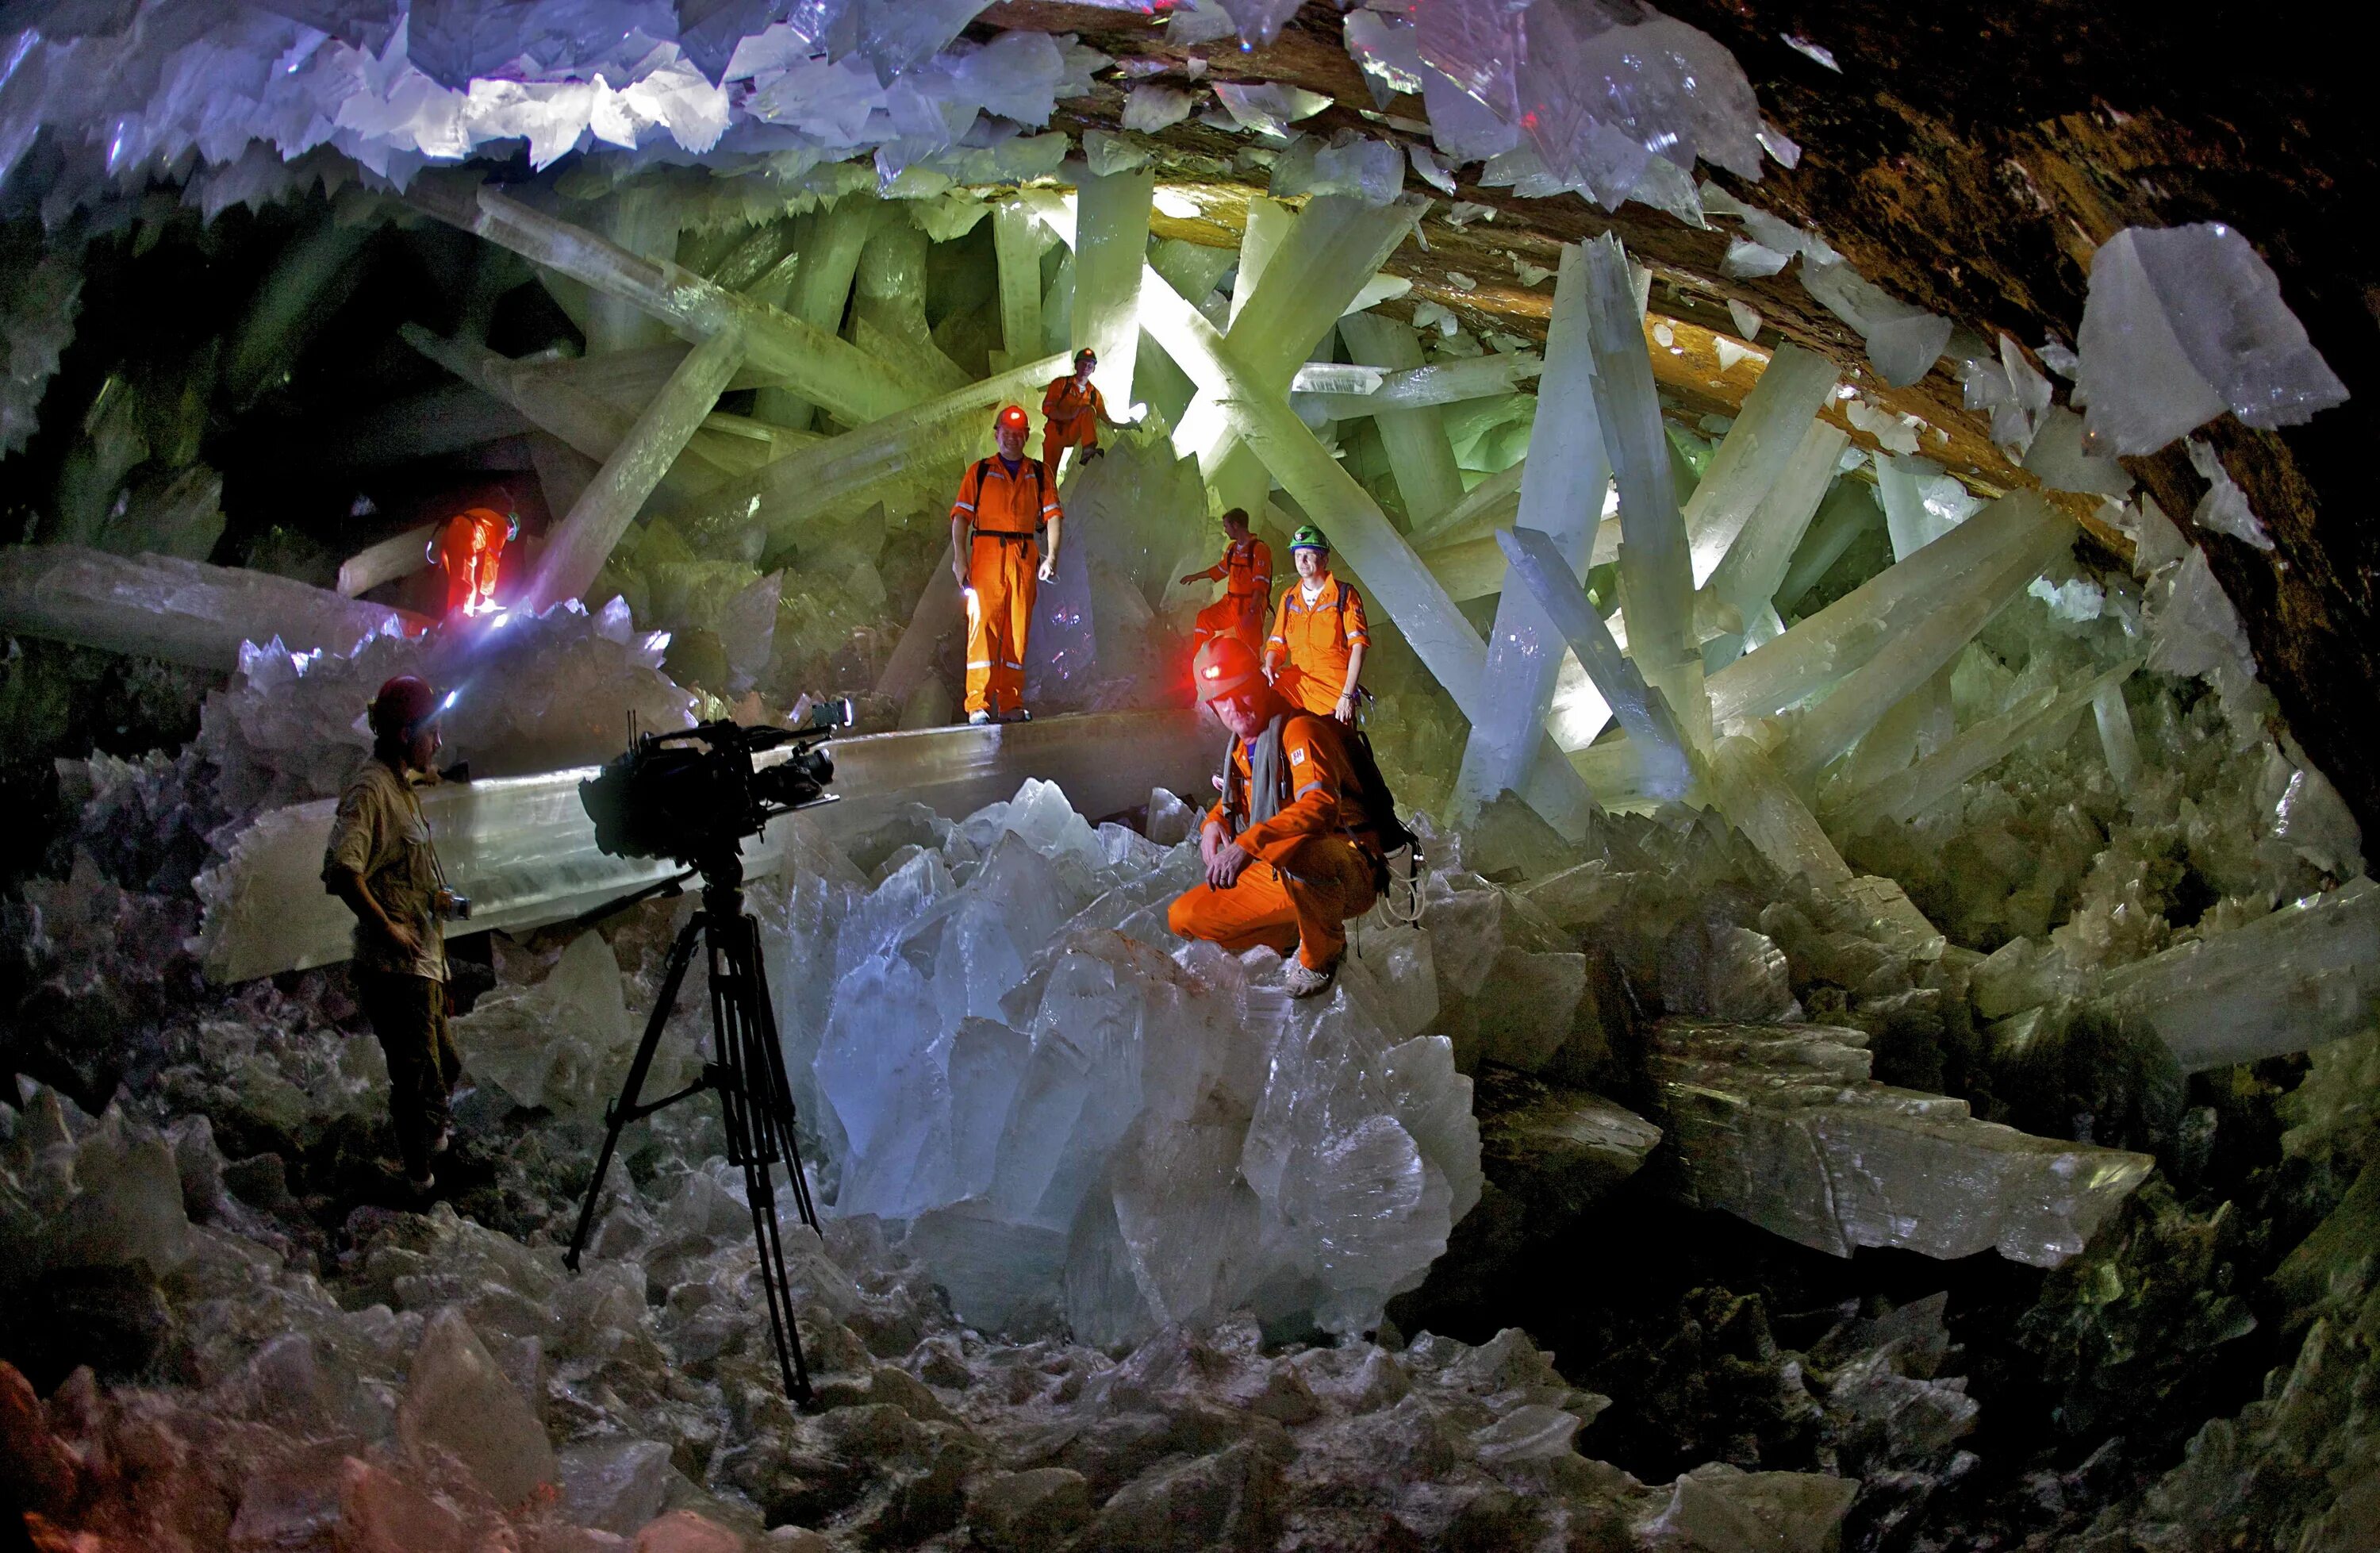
[(403, 705), (1012, 418), (1224, 667)]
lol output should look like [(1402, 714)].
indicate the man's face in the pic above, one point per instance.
[(1010, 440), (1236, 532), (1240, 714), (422, 752), (1083, 371), (1312, 564)]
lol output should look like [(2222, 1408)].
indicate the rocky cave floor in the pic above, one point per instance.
[(224, 1328)]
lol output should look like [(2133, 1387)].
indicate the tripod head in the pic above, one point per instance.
[(694, 794)]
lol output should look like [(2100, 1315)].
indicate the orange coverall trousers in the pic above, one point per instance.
[(1000, 588), (1305, 901), (1233, 614)]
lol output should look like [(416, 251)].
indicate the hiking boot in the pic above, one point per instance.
[(1303, 981), (978, 719)]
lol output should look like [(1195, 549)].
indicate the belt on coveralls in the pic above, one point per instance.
[(1006, 536)]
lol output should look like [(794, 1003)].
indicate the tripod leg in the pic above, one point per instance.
[(780, 1091), (759, 1126), (624, 1110)]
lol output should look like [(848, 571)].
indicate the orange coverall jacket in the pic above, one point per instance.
[(1003, 511), (1313, 645), (1315, 857), (1245, 572), (1071, 415)]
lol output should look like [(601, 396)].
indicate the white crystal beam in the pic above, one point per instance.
[(828, 372), (1657, 582), (1780, 1125), (1111, 251), (397, 556), (577, 550), (2004, 546), (2306, 974), (185, 612), (1908, 793), (1835, 724), (1546, 580), (1017, 240), (1769, 429), (523, 848), (1745, 787), (1419, 456), (1413, 387), (927, 444), (1561, 498), (1748, 577)]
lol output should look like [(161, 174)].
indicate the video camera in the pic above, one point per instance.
[(693, 794)]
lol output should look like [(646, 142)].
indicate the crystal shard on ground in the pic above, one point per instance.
[(1780, 1125)]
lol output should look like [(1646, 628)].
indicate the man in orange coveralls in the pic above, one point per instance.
[(1319, 636), (1074, 412), (1003, 502), (1245, 572), (1291, 851), (467, 549)]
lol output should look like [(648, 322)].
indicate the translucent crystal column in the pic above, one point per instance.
[(1747, 789), (1753, 569), (185, 612), (1561, 498), (1486, 507), (826, 258), (1842, 517), (1769, 429), (828, 372), (1907, 794), (2306, 974), (1780, 1125), (1546, 578), (1416, 386), (2116, 735), (1419, 455), (1017, 240), (1906, 658), (1360, 532), (1655, 565), (577, 550), (642, 221), (2001, 548), (927, 446), (1111, 251)]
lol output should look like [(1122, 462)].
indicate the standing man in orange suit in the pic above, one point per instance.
[(1004, 503), (1315, 656)]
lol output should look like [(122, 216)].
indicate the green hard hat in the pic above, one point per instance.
[(1308, 537)]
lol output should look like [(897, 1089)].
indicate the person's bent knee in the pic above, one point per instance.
[(1182, 917)]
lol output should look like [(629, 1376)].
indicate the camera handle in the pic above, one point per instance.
[(748, 1072)]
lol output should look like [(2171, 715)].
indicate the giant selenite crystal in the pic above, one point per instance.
[(1779, 1124), (1561, 498), (1081, 1115), (185, 612), (2183, 324), (2308, 974)]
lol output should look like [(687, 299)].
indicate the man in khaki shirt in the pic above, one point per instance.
[(380, 861)]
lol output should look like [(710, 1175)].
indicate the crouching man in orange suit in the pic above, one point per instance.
[(1291, 849)]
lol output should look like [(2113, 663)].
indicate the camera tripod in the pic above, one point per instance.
[(747, 1071)]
